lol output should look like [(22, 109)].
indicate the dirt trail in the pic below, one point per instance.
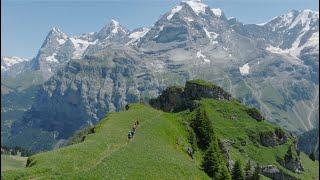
[(116, 147)]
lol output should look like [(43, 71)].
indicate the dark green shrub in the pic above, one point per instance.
[(256, 172), (214, 163), (192, 139), (255, 114), (80, 135), (237, 172), (248, 170), (312, 156), (203, 128), (279, 133)]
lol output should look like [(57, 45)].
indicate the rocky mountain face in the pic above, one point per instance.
[(12, 66), (83, 91), (272, 66), (309, 142)]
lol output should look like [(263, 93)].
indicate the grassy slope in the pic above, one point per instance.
[(240, 129), (9, 162), (158, 150)]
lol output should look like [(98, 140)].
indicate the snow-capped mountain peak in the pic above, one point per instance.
[(115, 26), (56, 30), (174, 11), (293, 18), (111, 29), (55, 37), (196, 5)]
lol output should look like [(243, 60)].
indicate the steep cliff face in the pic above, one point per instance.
[(85, 90), (308, 142)]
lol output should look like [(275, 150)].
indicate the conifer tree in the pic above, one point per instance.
[(237, 172), (256, 172), (289, 155), (247, 170), (214, 163), (203, 128), (312, 156)]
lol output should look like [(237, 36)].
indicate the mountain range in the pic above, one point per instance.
[(273, 66)]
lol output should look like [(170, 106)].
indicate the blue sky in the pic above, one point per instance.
[(25, 23)]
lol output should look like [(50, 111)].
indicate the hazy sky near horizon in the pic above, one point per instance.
[(25, 23)]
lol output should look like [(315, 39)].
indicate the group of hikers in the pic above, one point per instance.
[(133, 130)]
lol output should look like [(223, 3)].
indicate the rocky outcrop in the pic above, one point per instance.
[(308, 142), (291, 160), (225, 146), (175, 99), (197, 89), (171, 100), (255, 114), (273, 172), (293, 164), (273, 138)]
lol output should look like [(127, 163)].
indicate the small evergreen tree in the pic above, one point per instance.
[(256, 172), (247, 170), (203, 128), (288, 156), (214, 164), (312, 156), (237, 172)]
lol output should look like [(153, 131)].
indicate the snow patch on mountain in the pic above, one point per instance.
[(80, 46), (52, 58), (245, 69), (8, 62), (12, 60), (202, 56), (197, 6), (304, 18), (116, 26), (189, 19), (135, 36), (61, 41), (217, 11), (211, 35), (174, 11), (295, 50), (60, 36), (285, 20)]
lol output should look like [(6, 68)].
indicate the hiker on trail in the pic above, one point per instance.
[(134, 127), (129, 135), (190, 152)]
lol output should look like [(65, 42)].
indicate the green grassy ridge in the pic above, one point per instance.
[(158, 149), (10, 162)]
